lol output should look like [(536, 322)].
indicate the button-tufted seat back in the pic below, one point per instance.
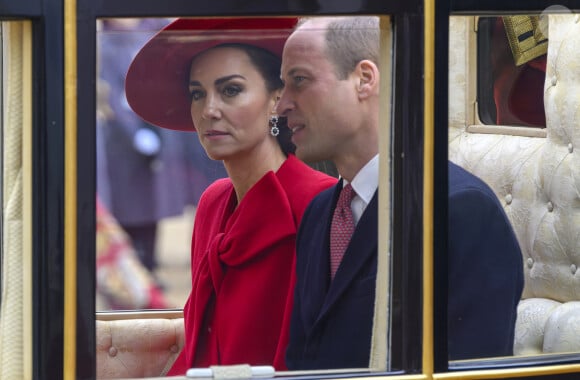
[(538, 181), (137, 348)]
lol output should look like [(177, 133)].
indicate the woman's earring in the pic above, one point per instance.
[(273, 123)]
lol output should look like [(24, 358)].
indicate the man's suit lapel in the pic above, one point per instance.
[(362, 245), (318, 268)]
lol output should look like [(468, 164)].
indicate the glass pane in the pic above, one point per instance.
[(244, 258), (530, 62), (512, 53)]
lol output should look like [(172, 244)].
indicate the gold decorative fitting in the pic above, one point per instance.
[(527, 36)]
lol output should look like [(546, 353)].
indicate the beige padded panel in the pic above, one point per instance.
[(137, 348), (379, 354), (12, 308), (538, 182)]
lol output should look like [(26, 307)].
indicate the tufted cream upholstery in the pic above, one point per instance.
[(137, 348), (538, 181)]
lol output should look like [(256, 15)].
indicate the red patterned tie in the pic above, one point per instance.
[(341, 229)]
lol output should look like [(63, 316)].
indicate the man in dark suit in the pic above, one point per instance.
[(485, 271), (331, 100)]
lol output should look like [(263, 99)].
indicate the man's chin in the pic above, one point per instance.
[(301, 153), (305, 155)]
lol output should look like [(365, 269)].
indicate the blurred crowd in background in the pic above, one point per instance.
[(145, 175)]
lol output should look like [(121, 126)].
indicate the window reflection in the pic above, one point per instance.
[(512, 54)]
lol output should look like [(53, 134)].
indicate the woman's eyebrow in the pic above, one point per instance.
[(227, 78), (219, 80)]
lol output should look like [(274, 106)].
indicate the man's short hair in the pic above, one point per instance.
[(350, 40)]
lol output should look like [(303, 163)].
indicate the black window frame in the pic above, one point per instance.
[(407, 163), (47, 179)]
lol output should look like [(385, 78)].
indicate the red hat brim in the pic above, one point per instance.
[(156, 85)]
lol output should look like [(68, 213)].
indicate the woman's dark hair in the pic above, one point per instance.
[(268, 65)]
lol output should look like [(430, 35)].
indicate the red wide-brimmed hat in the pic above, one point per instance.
[(156, 85)]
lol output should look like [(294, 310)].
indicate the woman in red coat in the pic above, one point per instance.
[(225, 86)]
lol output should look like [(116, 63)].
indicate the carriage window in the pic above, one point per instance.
[(530, 82), (150, 179), (511, 66)]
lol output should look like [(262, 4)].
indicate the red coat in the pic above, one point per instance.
[(242, 266)]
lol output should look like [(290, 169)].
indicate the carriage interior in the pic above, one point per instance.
[(536, 174)]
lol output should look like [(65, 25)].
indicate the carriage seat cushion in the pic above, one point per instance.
[(137, 348)]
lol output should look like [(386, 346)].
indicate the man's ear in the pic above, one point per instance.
[(368, 79)]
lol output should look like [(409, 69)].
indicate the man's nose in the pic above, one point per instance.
[(285, 104)]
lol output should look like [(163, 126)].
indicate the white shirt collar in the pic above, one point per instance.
[(366, 181), (365, 184)]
